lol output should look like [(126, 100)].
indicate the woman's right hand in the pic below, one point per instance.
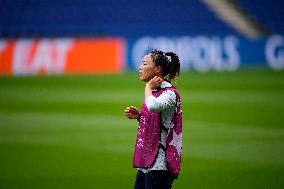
[(131, 112)]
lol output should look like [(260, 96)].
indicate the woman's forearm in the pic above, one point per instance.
[(148, 91)]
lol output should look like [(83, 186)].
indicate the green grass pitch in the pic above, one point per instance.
[(67, 132)]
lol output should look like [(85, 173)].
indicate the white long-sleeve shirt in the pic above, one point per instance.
[(166, 104)]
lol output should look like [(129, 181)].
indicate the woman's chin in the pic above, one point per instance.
[(142, 79)]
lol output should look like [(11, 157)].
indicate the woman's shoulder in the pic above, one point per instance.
[(166, 84), (169, 90)]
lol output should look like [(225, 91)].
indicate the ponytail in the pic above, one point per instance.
[(169, 62), (174, 65)]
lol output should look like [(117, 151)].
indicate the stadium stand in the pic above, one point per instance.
[(269, 13), (208, 34), (64, 18), (60, 18)]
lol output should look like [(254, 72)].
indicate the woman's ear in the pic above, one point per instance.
[(158, 70)]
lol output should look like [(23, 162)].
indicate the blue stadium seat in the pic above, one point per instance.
[(268, 13), (57, 18)]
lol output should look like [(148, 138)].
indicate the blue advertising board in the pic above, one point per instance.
[(206, 53)]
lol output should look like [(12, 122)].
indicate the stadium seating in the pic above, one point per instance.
[(59, 18), (269, 13)]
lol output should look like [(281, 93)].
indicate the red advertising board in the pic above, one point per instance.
[(61, 56)]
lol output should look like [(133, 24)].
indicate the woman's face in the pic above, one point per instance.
[(147, 69)]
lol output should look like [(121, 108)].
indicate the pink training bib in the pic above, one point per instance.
[(149, 134)]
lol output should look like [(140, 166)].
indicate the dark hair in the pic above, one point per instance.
[(169, 63)]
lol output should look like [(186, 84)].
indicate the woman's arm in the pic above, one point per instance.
[(152, 84), (166, 100)]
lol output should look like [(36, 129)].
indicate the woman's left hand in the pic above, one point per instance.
[(154, 82)]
